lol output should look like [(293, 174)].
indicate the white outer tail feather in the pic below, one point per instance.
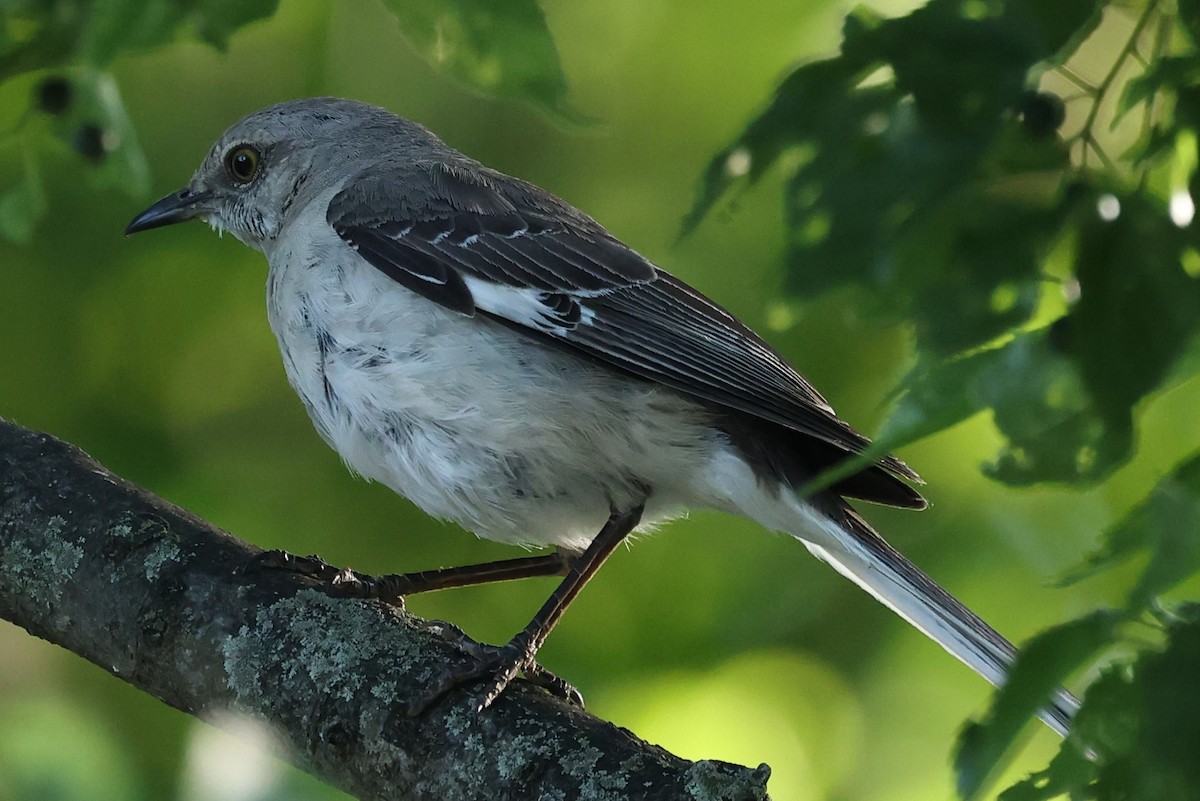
[(857, 552)]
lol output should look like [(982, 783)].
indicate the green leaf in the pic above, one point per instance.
[(1165, 523), (65, 33), (941, 233), (816, 103), (970, 269), (499, 47), (919, 184), (1037, 399), (931, 399), (1040, 404), (1062, 396), (1105, 723), (1154, 142), (1045, 662), (115, 26), (991, 45), (1166, 74), (1189, 15), (1141, 725), (935, 396), (826, 101), (217, 20), (76, 40), (1069, 770), (1125, 350), (1162, 763), (1056, 29)]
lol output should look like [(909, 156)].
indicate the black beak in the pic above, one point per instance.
[(175, 208)]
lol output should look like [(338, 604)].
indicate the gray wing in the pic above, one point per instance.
[(486, 243)]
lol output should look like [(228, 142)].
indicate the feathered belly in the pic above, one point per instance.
[(476, 424)]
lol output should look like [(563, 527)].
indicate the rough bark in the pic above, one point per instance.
[(159, 598)]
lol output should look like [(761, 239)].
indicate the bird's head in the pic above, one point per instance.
[(270, 163)]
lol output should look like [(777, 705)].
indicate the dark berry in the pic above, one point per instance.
[(89, 143), (1041, 113), (54, 95), (1058, 336)]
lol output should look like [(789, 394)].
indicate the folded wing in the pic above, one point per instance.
[(485, 243)]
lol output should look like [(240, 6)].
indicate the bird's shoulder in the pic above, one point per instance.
[(407, 189), (453, 229)]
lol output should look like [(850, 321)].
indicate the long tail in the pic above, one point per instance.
[(856, 551)]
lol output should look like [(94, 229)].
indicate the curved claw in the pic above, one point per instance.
[(339, 581), (503, 672), (556, 686), (264, 561), (499, 664)]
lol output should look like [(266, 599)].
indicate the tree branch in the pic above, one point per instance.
[(157, 597)]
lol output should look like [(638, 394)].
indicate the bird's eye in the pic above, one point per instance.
[(242, 163)]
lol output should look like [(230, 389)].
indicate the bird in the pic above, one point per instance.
[(496, 356)]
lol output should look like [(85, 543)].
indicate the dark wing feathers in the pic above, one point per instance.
[(661, 324), (434, 278), (544, 268), (526, 248)]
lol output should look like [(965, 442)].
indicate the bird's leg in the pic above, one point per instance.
[(501, 664), (392, 588)]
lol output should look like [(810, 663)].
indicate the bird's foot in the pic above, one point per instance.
[(342, 581), (498, 665)]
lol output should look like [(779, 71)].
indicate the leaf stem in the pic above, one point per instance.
[(1161, 37), (1087, 134)]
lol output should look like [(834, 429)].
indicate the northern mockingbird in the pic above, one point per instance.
[(496, 356)]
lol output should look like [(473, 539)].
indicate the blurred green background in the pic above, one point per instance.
[(711, 638)]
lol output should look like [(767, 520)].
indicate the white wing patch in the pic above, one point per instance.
[(553, 312)]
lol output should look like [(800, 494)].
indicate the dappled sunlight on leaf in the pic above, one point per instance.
[(942, 195), (1126, 349), (1165, 524)]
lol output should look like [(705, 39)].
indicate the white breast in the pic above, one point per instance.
[(472, 421)]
